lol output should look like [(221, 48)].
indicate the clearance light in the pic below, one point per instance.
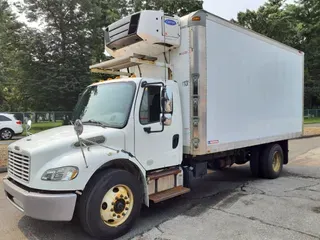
[(196, 18)]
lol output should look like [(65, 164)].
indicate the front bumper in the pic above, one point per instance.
[(42, 206)]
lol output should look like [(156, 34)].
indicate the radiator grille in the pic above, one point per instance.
[(19, 166)]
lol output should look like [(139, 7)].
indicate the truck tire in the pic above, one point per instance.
[(110, 204), (255, 164), (272, 161)]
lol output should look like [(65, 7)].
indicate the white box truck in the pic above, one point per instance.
[(192, 95)]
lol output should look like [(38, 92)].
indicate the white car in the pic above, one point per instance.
[(9, 126)]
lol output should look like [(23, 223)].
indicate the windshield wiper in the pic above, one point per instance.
[(97, 123)]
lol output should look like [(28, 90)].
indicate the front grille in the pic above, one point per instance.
[(19, 166)]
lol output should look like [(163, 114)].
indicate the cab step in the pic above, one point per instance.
[(162, 174), (167, 194)]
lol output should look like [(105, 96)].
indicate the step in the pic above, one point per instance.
[(167, 194), (164, 173)]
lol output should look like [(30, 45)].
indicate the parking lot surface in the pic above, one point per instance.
[(224, 205)]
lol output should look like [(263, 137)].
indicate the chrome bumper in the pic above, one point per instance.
[(49, 207)]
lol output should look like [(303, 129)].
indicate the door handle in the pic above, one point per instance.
[(175, 141)]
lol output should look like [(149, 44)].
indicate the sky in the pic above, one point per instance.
[(229, 9)]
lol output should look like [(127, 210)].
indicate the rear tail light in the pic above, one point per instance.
[(19, 122)]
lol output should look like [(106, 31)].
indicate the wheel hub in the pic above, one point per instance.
[(276, 164), (6, 134), (119, 206), (116, 205)]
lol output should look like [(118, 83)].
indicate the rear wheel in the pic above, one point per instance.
[(272, 161), (6, 134), (110, 204)]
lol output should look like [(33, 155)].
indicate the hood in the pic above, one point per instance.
[(65, 136)]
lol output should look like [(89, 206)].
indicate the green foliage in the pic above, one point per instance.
[(52, 67), (297, 25), (38, 127), (177, 7), (311, 120), (10, 31), (45, 69)]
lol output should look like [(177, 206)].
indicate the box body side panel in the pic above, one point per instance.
[(254, 89)]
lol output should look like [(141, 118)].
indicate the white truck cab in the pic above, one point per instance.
[(192, 94)]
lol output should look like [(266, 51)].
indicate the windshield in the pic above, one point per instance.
[(108, 104)]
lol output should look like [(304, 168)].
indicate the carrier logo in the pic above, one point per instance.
[(170, 22)]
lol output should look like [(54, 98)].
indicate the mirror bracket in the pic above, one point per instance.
[(78, 128)]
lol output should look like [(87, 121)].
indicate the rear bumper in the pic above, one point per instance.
[(49, 207), (18, 131)]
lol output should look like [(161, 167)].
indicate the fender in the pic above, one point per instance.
[(127, 160), (97, 157)]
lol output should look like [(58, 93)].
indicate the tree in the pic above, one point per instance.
[(59, 55), (10, 31), (56, 67), (177, 7)]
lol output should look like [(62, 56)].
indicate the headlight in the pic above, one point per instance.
[(60, 174)]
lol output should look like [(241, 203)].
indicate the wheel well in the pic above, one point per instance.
[(124, 164), (127, 165), (284, 146), (285, 149), (6, 128)]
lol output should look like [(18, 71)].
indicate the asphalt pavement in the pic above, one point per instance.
[(224, 205)]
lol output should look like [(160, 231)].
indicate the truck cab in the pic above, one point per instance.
[(129, 124)]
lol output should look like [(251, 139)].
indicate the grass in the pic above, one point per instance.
[(38, 127), (312, 120)]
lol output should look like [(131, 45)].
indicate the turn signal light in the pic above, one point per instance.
[(196, 18)]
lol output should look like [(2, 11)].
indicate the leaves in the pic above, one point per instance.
[(46, 68)]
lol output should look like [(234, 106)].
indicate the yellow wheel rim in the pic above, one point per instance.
[(116, 205), (276, 163)]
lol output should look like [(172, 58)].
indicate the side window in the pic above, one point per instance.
[(150, 108), (4, 119)]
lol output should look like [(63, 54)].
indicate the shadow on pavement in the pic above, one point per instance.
[(205, 193)]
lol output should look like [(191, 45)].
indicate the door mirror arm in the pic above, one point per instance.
[(148, 129)]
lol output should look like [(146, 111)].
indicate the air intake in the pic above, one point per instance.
[(123, 33)]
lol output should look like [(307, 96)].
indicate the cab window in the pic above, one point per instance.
[(150, 108)]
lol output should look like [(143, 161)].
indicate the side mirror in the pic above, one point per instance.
[(78, 127), (166, 119), (167, 101)]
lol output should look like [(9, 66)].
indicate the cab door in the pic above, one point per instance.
[(158, 143)]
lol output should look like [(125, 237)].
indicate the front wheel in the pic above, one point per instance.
[(110, 204)]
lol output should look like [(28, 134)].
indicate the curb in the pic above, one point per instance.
[(308, 136), (3, 169)]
